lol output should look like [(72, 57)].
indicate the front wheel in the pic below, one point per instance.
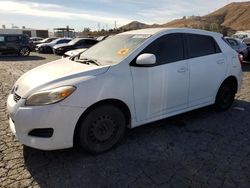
[(24, 51), (102, 129), (225, 96)]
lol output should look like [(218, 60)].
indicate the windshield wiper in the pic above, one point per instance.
[(88, 61)]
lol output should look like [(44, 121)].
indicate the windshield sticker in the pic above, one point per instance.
[(123, 51), (141, 36)]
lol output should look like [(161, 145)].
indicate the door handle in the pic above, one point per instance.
[(181, 70), (220, 61)]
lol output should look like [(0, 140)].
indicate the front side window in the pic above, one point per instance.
[(201, 45), (167, 49)]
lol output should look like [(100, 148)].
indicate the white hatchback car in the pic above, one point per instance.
[(128, 80)]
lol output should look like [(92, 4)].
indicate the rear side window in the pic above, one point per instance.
[(167, 49), (201, 45), (12, 38), (63, 41), (2, 39), (90, 42)]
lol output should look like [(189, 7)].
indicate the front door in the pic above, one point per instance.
[(163, 87)]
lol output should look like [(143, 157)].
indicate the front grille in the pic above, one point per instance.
[(16, 97)]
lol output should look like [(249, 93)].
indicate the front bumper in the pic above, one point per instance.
[(62, 119)]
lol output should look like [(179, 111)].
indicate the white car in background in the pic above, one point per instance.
[(72, 53), (48, 47), (126, 81)]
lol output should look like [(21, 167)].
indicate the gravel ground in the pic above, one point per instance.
[(201, 148)]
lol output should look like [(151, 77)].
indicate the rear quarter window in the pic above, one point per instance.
[(2, 39), (201, 45)]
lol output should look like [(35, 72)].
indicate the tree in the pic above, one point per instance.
[(86, 29)]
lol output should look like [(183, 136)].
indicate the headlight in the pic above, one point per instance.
[(49, 96)]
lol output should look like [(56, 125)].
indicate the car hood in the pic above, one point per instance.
[(61, 45), (75, 52), (51, 73)]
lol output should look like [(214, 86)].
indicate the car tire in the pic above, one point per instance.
[(24, 51), (102, 129), (225, 96), (49, 49)]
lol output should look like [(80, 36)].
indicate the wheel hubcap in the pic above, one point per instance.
[(102, 129)]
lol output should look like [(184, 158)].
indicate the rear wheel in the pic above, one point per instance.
[(24, 51), (225, 96), (102, 129)]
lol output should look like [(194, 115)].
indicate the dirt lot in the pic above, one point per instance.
[(197, 149)]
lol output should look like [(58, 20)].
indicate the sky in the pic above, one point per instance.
[(95, 14)]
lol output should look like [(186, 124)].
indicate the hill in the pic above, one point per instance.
[(234, 16)]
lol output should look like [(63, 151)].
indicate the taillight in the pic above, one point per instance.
[(240, 56)]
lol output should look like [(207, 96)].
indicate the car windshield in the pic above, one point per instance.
[(246, 40), (45, 40), (114, 49), (55, 41), (74, 41)]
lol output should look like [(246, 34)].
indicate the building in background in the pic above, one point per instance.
[(30, 32), (64, 32)]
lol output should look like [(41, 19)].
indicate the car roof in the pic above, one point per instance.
[(84, 38), (154, 31), (13, 35)]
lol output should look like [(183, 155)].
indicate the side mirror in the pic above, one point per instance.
[(146, 59)]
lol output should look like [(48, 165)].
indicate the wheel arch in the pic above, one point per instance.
[(114, 102), (233, 80)]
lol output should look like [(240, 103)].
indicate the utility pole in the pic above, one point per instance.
[(98, 25)]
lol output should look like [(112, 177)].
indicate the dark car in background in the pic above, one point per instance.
[(34, 39), (101, 38), (76, 43), (15, 44), (48, 47), (247, 42), (237, 45)]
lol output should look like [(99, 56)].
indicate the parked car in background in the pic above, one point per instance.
[(237, 45), (36, 38), (247, 42), (100, 38), (123, 82), (46, 40), (72, 53), (15, 44), (48, 47), (76, 43)]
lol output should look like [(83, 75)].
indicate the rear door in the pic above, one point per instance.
[(207, 68), (12, 43), (163, 87)]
